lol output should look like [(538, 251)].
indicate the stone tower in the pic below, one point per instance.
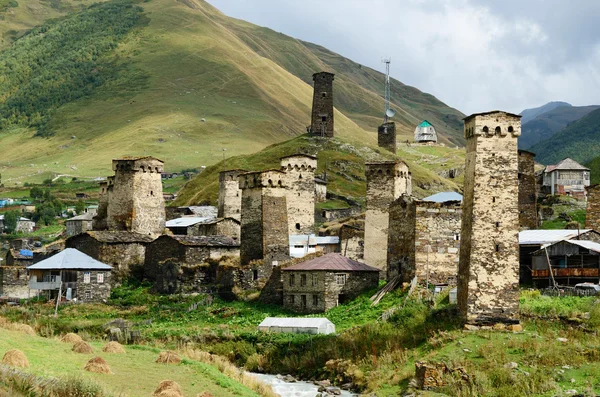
[(135, 202), (488, 271), (230, 194), (386, 136), (386, 181), (528, 217), (592, 216), (264, 219), (300, 182), (99, 221), (322, 107)]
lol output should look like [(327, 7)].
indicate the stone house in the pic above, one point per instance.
[(196, 226), (567, 178), (24, 225), (79, 224), (13, 273), (352, 242), (320, 284), (87, 279)]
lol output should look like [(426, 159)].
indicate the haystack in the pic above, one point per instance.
[(168, 357), (82, 347), (168, 388), (113, 347), (98, 365), (71, 338), (15, 358), (205, 394), (23, 328)]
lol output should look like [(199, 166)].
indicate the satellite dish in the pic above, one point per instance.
[(390, 112)]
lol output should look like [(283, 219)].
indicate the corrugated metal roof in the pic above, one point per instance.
[(539, 237), (84, 217), (21, 219), (444, 197), (298, 322), (311, 239), (187, 221), (334, 262), (70, 259), (328, 240), (592, 246)]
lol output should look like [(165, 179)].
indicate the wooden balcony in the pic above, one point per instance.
[(584, 272)]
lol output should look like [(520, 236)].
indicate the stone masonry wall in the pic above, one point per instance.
[(230, 194), (14, 282), (352, 243), (528, 217), (386, 136), (592, 217), (401, 239), (322, 107), (99, 222), (488, 281), (93, 291), (300, 182)]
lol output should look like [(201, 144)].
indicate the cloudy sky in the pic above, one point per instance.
[(475, 55)]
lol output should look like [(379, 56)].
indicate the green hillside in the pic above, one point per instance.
[(184, 83), (530, 114), (579, 141)]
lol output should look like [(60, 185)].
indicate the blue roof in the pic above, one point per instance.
[(444, 196)]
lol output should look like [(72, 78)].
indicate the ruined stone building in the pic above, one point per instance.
[(99, 220), (299, 181), (592, 215), (197, 226), (386, 181), (352, 242), (567, 178), (528, 216), (424, 239), (322, 283), (488, 276), (79, 224), (230, 194), (320, 190), (386, 136), (322, 107), (425, 133)]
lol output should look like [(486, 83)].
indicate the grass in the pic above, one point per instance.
[(573, 209)]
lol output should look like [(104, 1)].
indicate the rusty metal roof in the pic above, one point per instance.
[(333, 262)]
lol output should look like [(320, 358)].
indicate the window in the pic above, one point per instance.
[(493, 199), (88, 295), (510, 128), (497, 247), (485, 129), (323, 118), (297, 226), (313, 280), (100, 278), (497, 224), (303, 301), (315, 300), (340, 279), (151, 193), (292, 280), (86, 277), (298, 246), (497, 130), (291, 299), (324, 94), (303, 280), (254, 274), (457, 237)]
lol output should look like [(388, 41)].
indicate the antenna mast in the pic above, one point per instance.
[(387, 113)]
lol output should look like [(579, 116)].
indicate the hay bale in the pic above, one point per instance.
[(23, 328), (82, 347), (113, 347), (98, 365), (71, 338), (205, 394), (168, 388), (15, 358), (168, 357)]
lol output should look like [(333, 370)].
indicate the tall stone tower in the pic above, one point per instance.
[(386, 136), (264, 219), (322, 107), (135, 202), (528, 217), (488, 271), (99, 221), (230, 194), (386, 181), (300, 182)]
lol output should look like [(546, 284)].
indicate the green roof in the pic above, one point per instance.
[(425, 123)]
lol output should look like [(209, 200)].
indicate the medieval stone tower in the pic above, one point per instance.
[(488, 272), (99, 221), (230, 194), (322, 107), (135, 202), (264, 219), (299, 177), (528, 218), (386, 181), (592, 216), (386, 136)]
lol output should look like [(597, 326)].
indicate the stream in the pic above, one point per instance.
[(293, 389)]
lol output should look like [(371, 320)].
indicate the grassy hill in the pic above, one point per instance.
[(184, 83), (579, 141)]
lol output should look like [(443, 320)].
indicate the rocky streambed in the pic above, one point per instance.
[(287, 386)]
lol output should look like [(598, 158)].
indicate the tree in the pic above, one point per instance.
[(80, 207), (36, 192), (11, 219), (46, 213)]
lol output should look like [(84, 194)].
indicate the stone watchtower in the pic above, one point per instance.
[(386, 136), (322, 107), (264, 219), (230, 194), (488, 271), (528, 218), (135, 202), (300, 182), (386, 181), (99, 221)]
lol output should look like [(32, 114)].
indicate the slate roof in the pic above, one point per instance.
[(333, 262), (70, 259), (297, 239), (444, 197), (117, 236), (84, 217), (187, 221), (566, 164), (206, 241)]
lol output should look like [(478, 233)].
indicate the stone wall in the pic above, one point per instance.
[(528, 216), (592, 217), (78, 226), (93, 291), (230, 194), (488, 281), (299, 178), (100, 220), (175, 277), (320, 192), (221, 227), (322, 106), (386, 136), (386, 181), (14, 282), (352, 243), (328, 215)]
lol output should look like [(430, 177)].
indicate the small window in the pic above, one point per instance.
[(88, 295), (340, 279), (457, 237), (254, 274), (324, 214), (493, 199), (297, 226), (497, 224), (303, 301), (151, 193), (497, 130), (323, 118), (298, 246), (86, 277), (303, 280), (292, 280), (324, 94), (315, 300), (485, 129), (497, 247), (100, 277), (313, 280), (510, 128), (291, 299)]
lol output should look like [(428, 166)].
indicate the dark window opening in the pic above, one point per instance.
[(297, 226), (485, 129), (497, 247), (323, 118), (292, 280), (497, 130), (315, 300), (303, 280), (324, 94), (324, 214), (493, 199), (254, 274), (497, 224), (291, 299), (303, 301), (510, 128), (151, 193)]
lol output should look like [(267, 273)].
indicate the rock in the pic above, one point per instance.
[(571, 392), (279, 376), (563, 340), (572, 380), (511, 365), (499, 327), (324, 383), (321, 389), (336, 391), (347, 386), (289, 379), (429, 375), (203, 119), (469, 327), (486, 327), (566, 367), (467, 350), (515, 328)]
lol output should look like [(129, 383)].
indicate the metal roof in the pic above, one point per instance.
[(298, 322), (540, 237), (84, 217), (187, 221), (333, 262), (444, 197), (425, 123), (21, 219), (592, 246), (70, 259), (311, 239)]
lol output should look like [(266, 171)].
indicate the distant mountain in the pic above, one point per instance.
[(530, 114), (548, 123), (579, 141)]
